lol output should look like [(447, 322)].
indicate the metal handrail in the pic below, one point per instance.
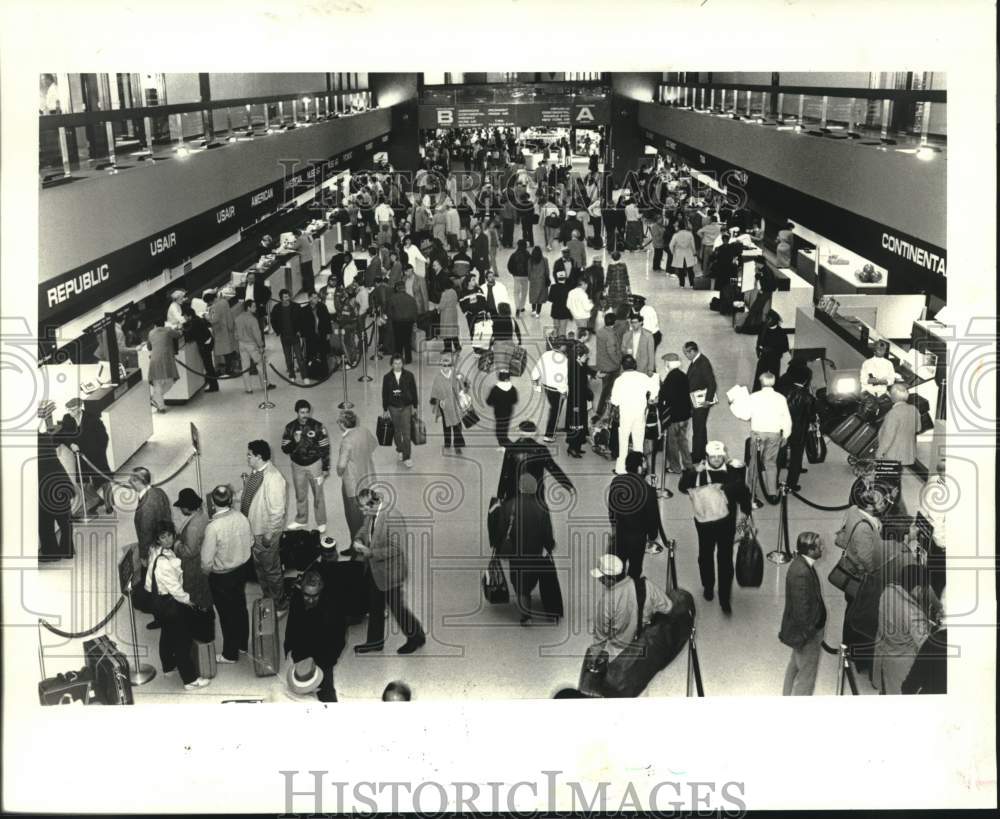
[(893, 94), (52, 122)]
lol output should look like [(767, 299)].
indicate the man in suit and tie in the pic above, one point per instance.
[(381, 542), (701, 381), (152, 509), (804, 619), (639, 343), (355, 465)]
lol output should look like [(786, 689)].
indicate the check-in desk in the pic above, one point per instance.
[(125, 411), (831, 279), (792, 293), (190, 379)]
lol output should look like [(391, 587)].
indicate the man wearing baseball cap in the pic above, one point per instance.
[(716, 488), (225, 554), (616, 610)]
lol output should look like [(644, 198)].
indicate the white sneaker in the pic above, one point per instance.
[(400, 456), (201, 682), (548, 439), (295, 525), (408, 463), (224, 660), (321, 528)]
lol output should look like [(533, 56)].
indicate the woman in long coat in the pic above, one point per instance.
[(683, 253), (772, 344), (162, 367), (448, 310), (903, 626), (444, 399), (220, 316), (538, 280)]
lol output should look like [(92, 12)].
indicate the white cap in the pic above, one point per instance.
[(715, 448), (608, 566)]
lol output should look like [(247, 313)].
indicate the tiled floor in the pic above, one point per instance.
[(474, 651)]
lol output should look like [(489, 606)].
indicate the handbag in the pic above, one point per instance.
[(470, 418), (418, 431), (494, 582), (843, 577), (708, 500)]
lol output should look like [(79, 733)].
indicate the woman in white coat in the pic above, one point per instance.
[(683, 253)]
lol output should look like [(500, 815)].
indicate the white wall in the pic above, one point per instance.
[(232, 86), (832, 79), (181, 88)]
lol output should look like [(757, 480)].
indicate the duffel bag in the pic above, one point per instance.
[(749, 557)]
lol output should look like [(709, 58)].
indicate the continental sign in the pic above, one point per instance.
[(523, 115)]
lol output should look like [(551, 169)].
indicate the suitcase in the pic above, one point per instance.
[(715, 305), (864, 441), (109, 669), (845, 429), (384, 431), (67, 689), (265, 649), (702, 283), (485, 362), (203, 656), (418, 431), (298, 548), (518, 361)]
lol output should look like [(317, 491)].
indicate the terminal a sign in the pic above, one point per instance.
[(523, 115)]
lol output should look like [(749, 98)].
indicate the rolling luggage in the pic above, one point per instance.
[(384, 431), (203, 656), (845, 429), (815, 443), (265, 649), (298, 548), (109, 670), (518, 361), (701, 283), (67, 689), (864, 441)]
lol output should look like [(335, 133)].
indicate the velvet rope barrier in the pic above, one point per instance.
[(77, 635)]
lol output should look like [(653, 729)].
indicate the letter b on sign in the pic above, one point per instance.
[(446, 116)]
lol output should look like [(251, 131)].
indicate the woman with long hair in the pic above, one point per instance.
[(539, 279)]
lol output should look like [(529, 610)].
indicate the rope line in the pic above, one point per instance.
[(820, 507), (113, 480), (301, 386), (217, 377), (77, 635)]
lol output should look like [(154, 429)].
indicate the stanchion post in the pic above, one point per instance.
[(781, 553), (346, 403), (83, 494), (841, 669), (661, 490), (267, 403), (197, 465), (139, 673), (364, 356)]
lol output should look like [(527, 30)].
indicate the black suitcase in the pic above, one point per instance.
[(864, 442), (67, 689), (109, 669), (317, 368), (298, 548), (384, 431), (845, 429)]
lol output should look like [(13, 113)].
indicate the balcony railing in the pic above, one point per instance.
[(80, 145), (508, 93), (914, 120)]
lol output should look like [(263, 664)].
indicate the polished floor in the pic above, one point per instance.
[(474, 650)]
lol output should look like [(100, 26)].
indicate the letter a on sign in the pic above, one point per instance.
[(446, 116), (585, 114)]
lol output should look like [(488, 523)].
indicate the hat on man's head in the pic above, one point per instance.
[(74, 403), (187, 498), (327, 544), (304, 677), (715, 448), (211, 291), (608, 566), (528, 427), (176, 293)]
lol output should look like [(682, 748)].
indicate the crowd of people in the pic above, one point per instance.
[(431, 257)]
